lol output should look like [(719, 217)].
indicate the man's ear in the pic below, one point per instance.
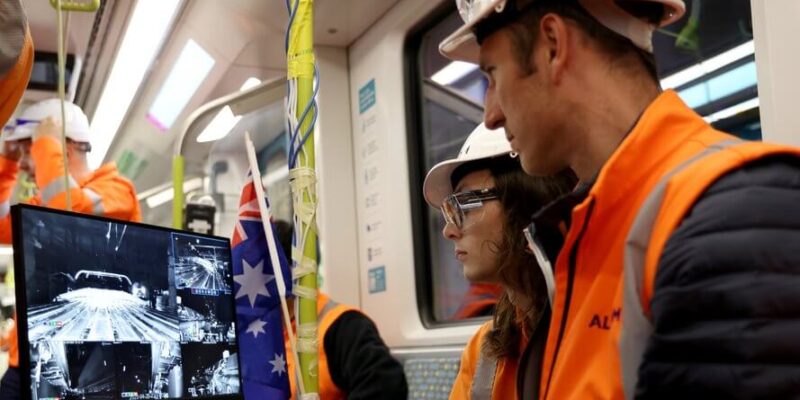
[(554, 46)]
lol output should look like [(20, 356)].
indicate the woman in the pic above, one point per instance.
[(487, 201)]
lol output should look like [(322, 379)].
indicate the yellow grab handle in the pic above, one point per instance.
[(90, 6)]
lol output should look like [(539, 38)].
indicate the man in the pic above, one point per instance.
[(354, 363), (35, 147), (679, 272)]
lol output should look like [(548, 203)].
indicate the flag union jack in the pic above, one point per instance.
[(258, 309)]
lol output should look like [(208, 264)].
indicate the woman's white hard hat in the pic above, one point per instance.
[(482, 143)]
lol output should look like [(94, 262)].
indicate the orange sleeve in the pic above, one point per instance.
[(112, 196), (13, 347), (13, 84), (8, 178), (466, 372)]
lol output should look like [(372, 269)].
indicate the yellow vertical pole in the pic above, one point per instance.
[(300, 66), (177, 192), (61, 95)]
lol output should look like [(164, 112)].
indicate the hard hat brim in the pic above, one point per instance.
[(20, 133), (462, 45), (437, 184)]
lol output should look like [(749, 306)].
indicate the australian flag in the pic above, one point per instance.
[(258, 307)]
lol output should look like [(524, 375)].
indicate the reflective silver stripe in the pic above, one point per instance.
[(636, 325), (483, 381), (5, 207), (325, 310), (543, 261), (97, 201), (56, 187)]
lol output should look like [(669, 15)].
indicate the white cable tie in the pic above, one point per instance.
[(313, 367), (307, 346), (307, 330), (301, 172), (304, 292), (306, 213), (302, 270)]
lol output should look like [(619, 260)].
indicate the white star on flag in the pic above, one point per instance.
[(256, 327), (254, 282), (278, 364)]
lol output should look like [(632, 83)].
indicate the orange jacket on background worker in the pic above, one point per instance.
[(361, 362), (104, 192), (605, 273), (479, 301), (327, 312)]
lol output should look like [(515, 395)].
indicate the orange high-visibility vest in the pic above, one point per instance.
[(328, 311), (481, 377), (606, 270)]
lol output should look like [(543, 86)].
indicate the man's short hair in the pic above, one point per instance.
[(523, 28)]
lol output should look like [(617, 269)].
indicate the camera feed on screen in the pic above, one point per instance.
[(201, 265), (212, 368), (116, 310)]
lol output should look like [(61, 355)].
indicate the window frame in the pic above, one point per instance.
[(416, 86)]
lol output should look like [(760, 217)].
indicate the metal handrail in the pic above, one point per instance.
[(241, 102)]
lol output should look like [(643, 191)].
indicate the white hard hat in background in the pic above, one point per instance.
[(77, 125), (462, 44), (482, 143)]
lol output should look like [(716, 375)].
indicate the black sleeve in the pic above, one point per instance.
[(360, 363), (726, 304)]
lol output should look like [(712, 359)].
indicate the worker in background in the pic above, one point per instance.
[(679, 273), (16, 62), (487, 199), (35, 147), (354, 363), (480, 300)]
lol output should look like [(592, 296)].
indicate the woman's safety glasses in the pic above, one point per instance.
[(466, 208)]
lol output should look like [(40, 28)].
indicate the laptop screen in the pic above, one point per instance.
[(119, 310)]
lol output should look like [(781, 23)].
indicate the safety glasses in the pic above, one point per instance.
[(464, 209)]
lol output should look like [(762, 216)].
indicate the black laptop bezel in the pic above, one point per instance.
[(20, 292)]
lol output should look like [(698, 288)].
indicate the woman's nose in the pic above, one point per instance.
[(450, 231)]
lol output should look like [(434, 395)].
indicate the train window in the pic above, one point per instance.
[(449, 104), (267, 129), (707, 57), (275, 176)]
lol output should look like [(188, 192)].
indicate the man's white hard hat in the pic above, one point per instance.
[(481, 144), (462, 44), (77, 125)]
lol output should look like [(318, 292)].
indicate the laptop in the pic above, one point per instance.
[(110, 309)]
